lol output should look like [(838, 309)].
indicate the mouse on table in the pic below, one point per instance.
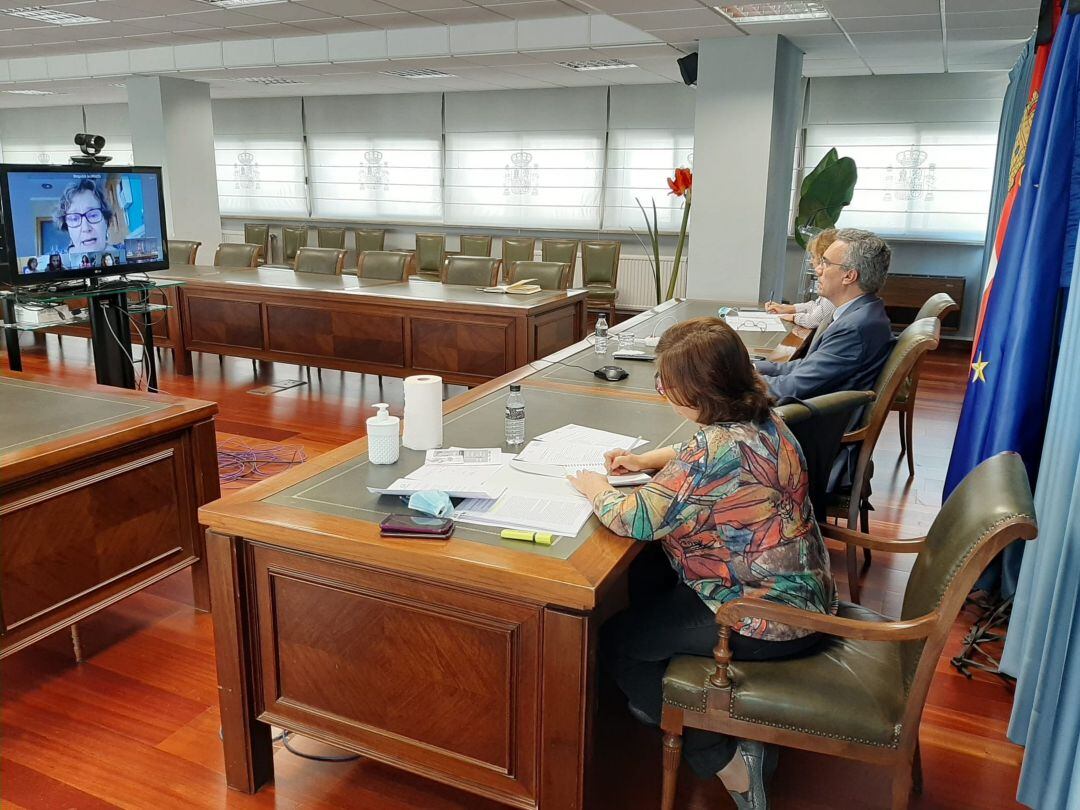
[(612, 373)]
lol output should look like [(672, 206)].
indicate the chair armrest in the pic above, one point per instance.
[(853, 437), (854, 538), (733, 612)]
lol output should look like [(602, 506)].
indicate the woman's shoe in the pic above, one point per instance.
[(757, 757)]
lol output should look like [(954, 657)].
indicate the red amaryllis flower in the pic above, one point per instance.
[(682, 181)]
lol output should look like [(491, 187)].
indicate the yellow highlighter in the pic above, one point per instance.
[(540, 538)]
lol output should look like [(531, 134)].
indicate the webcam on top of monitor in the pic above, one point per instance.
[(91, 146)]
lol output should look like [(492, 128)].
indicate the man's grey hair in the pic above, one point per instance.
[(869, 255)]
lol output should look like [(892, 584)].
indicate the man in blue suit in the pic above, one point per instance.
[(847, 353)]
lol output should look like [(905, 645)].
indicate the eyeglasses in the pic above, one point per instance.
[(93, 216), (659, 385), (823, 262)]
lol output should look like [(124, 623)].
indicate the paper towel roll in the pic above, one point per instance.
[(423, 412)]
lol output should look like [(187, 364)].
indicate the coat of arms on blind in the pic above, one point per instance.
[(910, 180), (246, 172), (522, 177), (374, 174), (43, 157)]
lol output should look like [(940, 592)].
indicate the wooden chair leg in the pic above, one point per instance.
[(901, 787), (611, 315), (916, 771), (853, 574), (910, 445), (672, 757), (900, 429)]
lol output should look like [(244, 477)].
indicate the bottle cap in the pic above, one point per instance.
[(383, 417), (515, 386)]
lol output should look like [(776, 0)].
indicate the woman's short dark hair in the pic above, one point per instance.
[(703, 364), (64, 203)]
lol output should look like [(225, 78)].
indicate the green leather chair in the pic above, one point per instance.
[(369, 239), (861, 694), (182, 251), (430, 255), (600, 275), (937, 306), (563, 251), (384, 264), (325, 261), (517, 249), (549, 275), (475, 246), (479, 271), (258, 235), (292, 239), (331, 238), (235, 254)]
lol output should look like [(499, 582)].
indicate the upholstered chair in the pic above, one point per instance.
[(937, 306), (517, 249), (430, 255), (549, 275), (292, 239), (369, 239), (325, 261), (234, 254), (258, 235), (860, 694), (383, 264), (479, 271), (563, 251), (182, 251), (600, 275), (475, 246), (331, 238)]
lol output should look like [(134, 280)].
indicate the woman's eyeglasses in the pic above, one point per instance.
[(659, 385), (93, 216)]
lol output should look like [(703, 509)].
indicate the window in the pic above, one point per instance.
[(111, 120), (40, 134), (259, 147), (376, 158), (925, 147), (525, 158), (651, 133)]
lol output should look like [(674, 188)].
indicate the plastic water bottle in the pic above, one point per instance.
[(601, 335), (515, 417)]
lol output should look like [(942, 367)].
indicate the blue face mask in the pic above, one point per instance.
[(430, 502)]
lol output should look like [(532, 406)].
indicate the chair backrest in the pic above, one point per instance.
[(382, 264), (369, 239), (331, 238), (549, 275), (600, 264), (989, 509), (517, 249), (915, 341), (182, 251), (430, 253), (479, 271), (475, 246), (255, 234), (235, 254), (326, 261), (818, 424), (937, 306), (563, 251), (292, 239)]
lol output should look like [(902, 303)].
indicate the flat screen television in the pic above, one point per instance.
[(75, 222)]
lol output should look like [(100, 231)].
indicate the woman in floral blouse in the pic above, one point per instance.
[(731, 512)]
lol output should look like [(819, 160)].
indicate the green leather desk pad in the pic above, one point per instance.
[(342, 490), (642, 372), (35, 413)]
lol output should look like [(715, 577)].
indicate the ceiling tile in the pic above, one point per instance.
[(906, 22), (617, 7), (921, 66), (397, 19), (990, 5), (503, 59), (1025, 18), (348, 8), (689, 18), (895, 48), (881, 8), (854, 69), (690, 35), (272, 30), (537, 10), (486, 38), (463, 16), (793, 28), (1016, 33), (334, 25), (426, 5), (829, 45)]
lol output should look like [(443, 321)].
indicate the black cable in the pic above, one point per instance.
[(560, 363)]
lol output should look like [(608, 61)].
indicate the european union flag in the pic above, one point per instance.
[(1008, 391)]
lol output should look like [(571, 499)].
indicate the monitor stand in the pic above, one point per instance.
[(110, 332)]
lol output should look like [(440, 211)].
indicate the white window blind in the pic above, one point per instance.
[(531, 158), (376, 158), (111, 120), (925, 148), (259, 147), (651, 133), (40, 134)]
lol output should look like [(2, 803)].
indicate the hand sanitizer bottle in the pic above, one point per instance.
[(383, 436)]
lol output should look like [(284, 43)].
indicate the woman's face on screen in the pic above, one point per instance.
[(87, 235)]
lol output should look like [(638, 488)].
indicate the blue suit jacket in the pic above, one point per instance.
[(848, 356)]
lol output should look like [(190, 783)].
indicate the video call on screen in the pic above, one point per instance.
[(82, 220)]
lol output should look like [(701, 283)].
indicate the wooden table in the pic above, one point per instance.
[(371, 326), (98, 496), (470, 661)]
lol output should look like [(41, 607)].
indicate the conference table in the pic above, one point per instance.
[(99, 489), (471, 661), (373, 326)]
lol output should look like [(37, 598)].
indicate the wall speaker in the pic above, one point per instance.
[(688, 68)]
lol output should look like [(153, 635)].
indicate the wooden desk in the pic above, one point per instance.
[(470, 661), (98, 496), (373, 326)]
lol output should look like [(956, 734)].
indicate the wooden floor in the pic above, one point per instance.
[(136, 724)]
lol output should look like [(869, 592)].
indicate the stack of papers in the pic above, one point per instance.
[(764, 322), (523, 287), (573, 448), (520, 510), (468, 456), (456, 480)]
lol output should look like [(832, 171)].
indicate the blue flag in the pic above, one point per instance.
[(1008, 389)]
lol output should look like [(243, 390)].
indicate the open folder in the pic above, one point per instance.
[(523, 287)]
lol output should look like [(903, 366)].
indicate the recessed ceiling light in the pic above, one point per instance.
[(33, 93), (269, 80), (417, 73), (748, 13), (51, 15), (238, 3), (597, 64)]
